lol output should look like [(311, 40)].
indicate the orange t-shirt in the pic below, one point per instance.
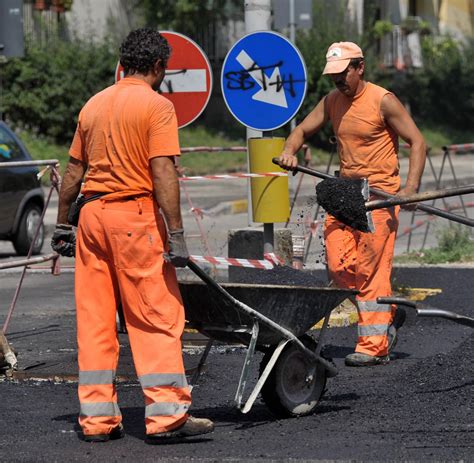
[(119, 130), (368, 148)]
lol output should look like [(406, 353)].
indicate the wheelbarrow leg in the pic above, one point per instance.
[(322, 333), (264, 376), (245, 369), (194, 379)]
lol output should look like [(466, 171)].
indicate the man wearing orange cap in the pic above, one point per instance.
[(367, 120), (129, 239)]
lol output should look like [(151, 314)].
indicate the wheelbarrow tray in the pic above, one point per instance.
[(295, 308)]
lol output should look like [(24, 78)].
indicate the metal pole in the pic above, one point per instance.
[(257, 15), (293, 41), (292, 27), (258, 18)]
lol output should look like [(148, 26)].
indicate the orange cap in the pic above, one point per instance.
[(339, 56)]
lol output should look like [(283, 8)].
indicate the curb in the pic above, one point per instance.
[(238, 206)]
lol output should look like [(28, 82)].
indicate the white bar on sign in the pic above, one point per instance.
[(188, 80)]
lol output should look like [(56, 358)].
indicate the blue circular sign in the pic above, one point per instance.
[(263, 80)]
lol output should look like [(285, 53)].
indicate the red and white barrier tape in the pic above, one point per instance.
[(212, 149), (232, 176), (270, 261)]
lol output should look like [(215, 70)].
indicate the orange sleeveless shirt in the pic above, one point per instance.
[(367, 146)]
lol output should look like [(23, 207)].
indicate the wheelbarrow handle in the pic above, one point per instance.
[(428, 311), (422, 207)]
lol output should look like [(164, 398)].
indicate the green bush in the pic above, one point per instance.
[(454, 245), (45, 90), (442, 92)]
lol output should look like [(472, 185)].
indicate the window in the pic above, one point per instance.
[(9, 148)]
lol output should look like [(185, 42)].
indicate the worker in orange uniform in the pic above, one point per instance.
[(125, 143), (367, 121)]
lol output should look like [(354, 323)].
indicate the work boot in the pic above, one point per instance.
[(357, 359), (116, 433), (397, 323), (191, 427)]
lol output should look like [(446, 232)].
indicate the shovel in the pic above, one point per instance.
[(354, 198)]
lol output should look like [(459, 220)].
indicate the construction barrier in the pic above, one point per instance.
[(458, 149)]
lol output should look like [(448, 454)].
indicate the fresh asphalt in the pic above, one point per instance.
[(418, 407)]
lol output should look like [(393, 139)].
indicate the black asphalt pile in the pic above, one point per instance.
[(287, 276), (342, 198)]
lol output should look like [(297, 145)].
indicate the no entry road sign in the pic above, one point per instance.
[(263, 80), (188, 79)]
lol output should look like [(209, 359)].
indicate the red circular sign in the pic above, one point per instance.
[(188, 79)]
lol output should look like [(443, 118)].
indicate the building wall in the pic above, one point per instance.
[(456, 17), (96, 18)]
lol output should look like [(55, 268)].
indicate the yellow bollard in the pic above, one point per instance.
[(270, 195)]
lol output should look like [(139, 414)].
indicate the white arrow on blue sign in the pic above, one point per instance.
[(263, 80)]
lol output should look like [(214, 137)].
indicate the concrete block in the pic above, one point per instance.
[(247, 243)]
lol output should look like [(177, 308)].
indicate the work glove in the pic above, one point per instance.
[(178, 252), (64, 240)]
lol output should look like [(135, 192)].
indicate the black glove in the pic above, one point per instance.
[(178, 252), (64, 240)]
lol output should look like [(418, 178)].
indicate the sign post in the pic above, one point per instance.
[(188, 78), (264, 83)]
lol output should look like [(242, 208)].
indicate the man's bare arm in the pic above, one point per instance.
[(310, 125), (166, 190), (70, 187), (398, 118)]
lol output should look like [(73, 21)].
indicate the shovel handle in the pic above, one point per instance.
[(417, 197), (422, 207), (431, 210), (304, 170)]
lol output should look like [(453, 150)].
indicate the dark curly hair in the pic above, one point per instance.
[(141, 49)]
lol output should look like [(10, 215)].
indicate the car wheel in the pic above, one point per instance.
[(29, 221)]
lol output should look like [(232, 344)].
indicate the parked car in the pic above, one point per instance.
[(21, 196)]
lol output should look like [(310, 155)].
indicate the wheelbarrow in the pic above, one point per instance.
[(293, 371)]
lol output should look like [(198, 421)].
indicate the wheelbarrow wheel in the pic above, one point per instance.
[(288, 391)]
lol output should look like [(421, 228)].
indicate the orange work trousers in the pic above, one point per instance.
[(363, 261), (119, 259)]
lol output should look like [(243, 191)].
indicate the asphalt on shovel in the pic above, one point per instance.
[(346, 199)]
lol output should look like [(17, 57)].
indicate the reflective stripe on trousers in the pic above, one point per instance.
[(119, 259), (374, 320)]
